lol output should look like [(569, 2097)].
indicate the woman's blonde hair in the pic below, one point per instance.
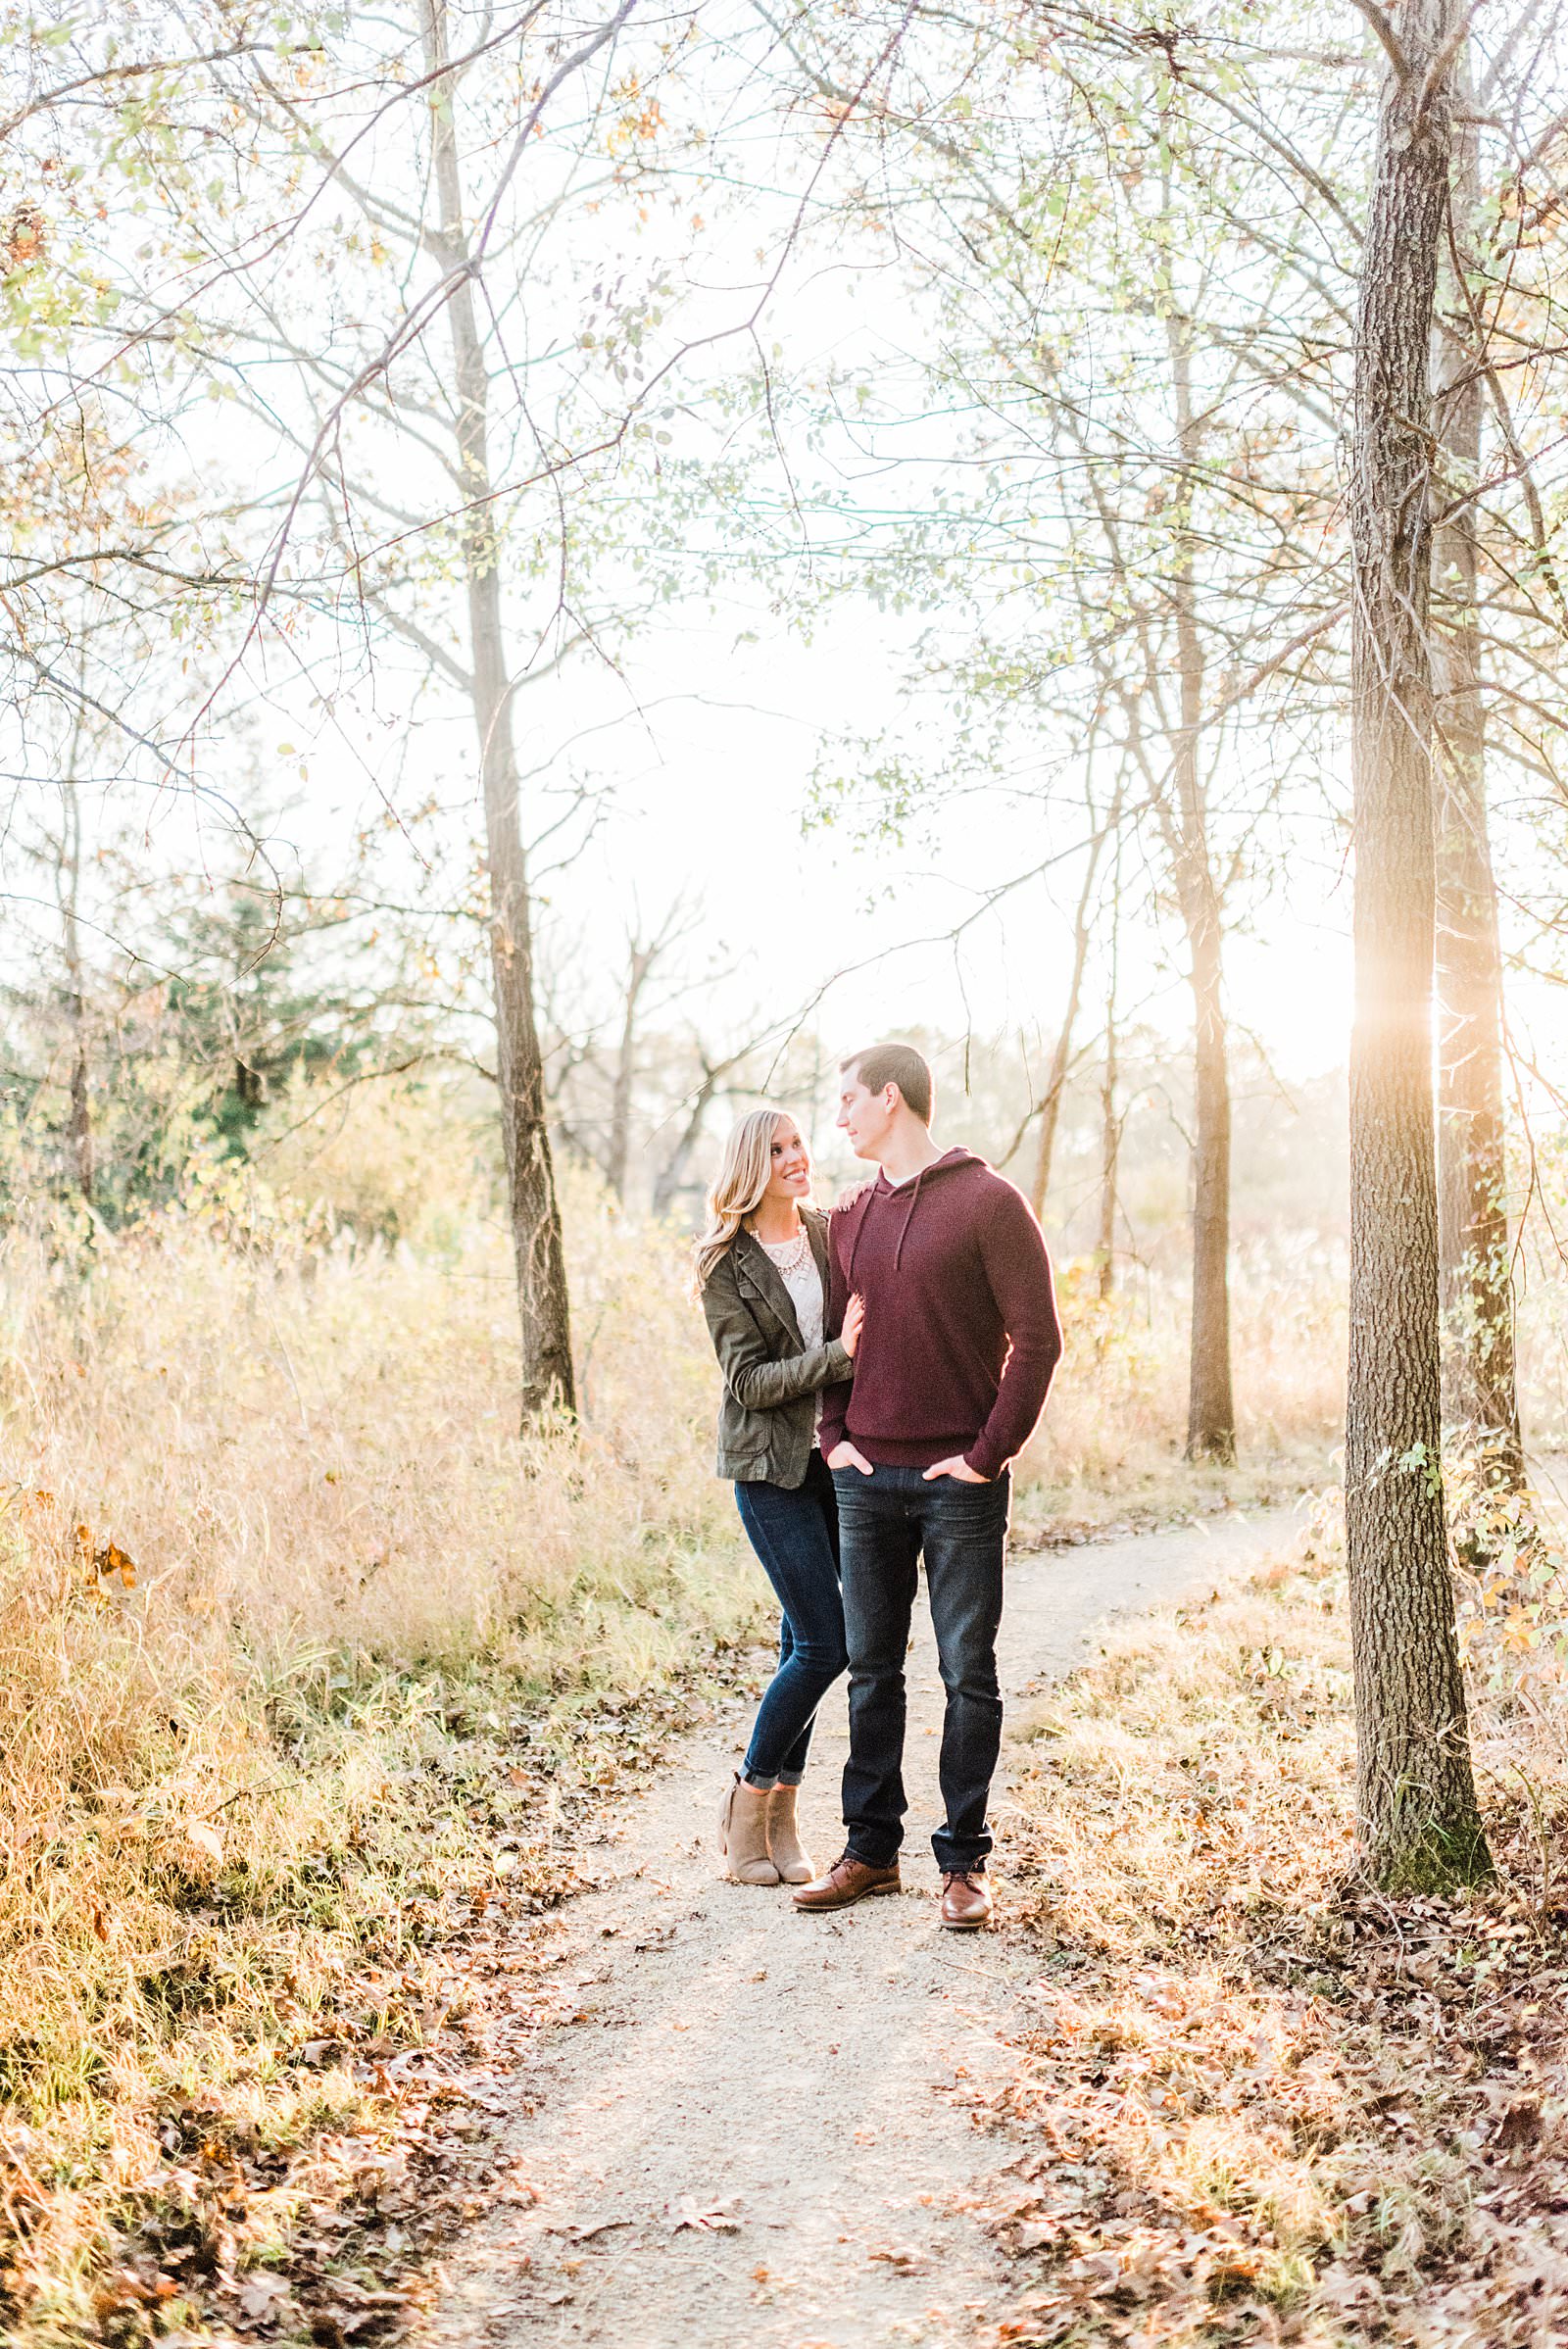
[(744, 1173)]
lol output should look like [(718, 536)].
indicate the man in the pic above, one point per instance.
[(959, 1341)]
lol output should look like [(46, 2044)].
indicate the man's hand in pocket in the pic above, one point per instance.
[(845, 1455), (958, 1468)]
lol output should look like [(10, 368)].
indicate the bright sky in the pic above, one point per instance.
[(709, 738), (708, 748), (712, 733), (714, 807)]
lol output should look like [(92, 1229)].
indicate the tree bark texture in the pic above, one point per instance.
[(1210, 1400), (1414, 1788), (548, 1380), (1479, 1390)]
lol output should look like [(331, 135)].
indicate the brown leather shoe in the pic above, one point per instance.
[(966, 1902), (848, 1881)]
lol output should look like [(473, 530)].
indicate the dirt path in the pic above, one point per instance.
[(755, 2134)]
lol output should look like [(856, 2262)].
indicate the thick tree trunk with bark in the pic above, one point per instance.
[(547, 1368), (1479, 1393), (1414, 1788), (1210, 1401)]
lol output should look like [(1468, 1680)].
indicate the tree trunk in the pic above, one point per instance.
[(1479, 1392), (1061, 1056), (640, 961), (1109, 1154), (78, 1129), (672, 1174), (1210, 1401), (618, 1155), (547, 1370), (1414, 1788)]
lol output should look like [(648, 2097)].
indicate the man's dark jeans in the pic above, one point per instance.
[(887, 1521)]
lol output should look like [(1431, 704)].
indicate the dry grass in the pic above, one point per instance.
[(320, 1444), (300, 1651), (1264, 2105), (1108, 1454), (307, 1663)]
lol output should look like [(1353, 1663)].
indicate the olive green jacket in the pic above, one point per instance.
[(766, 1420)]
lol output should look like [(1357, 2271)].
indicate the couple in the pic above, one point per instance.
[(881, 1369)]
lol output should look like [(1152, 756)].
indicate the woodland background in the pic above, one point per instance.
[(561, 570)]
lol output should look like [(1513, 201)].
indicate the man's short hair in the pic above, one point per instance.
[(900, 1064)]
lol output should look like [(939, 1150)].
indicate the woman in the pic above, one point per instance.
[(761, 1269)]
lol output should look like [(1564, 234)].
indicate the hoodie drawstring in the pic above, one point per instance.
[(909, 1217), (864, 1217)]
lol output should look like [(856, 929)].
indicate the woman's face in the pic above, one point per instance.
[(791, 1175)]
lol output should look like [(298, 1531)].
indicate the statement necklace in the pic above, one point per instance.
[(789, 1255)]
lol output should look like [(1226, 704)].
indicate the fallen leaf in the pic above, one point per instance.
[(260, 2297), (1520, 2124), (716, 2221)]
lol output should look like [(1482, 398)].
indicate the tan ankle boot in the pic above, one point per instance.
[(743, 1834), (783, 1838)]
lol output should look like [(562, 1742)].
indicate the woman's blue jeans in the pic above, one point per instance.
[(795, 1535)]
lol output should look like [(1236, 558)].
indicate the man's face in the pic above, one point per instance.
[(866, 1117)]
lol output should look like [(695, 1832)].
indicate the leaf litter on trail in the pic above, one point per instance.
[(715, 2218), (319, 2229), (585, 2230), (1258, 2098), (264, 2297)]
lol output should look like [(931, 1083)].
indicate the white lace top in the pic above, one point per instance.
[(796, 1267)]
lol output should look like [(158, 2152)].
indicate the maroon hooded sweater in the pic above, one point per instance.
[(960, 1334)]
